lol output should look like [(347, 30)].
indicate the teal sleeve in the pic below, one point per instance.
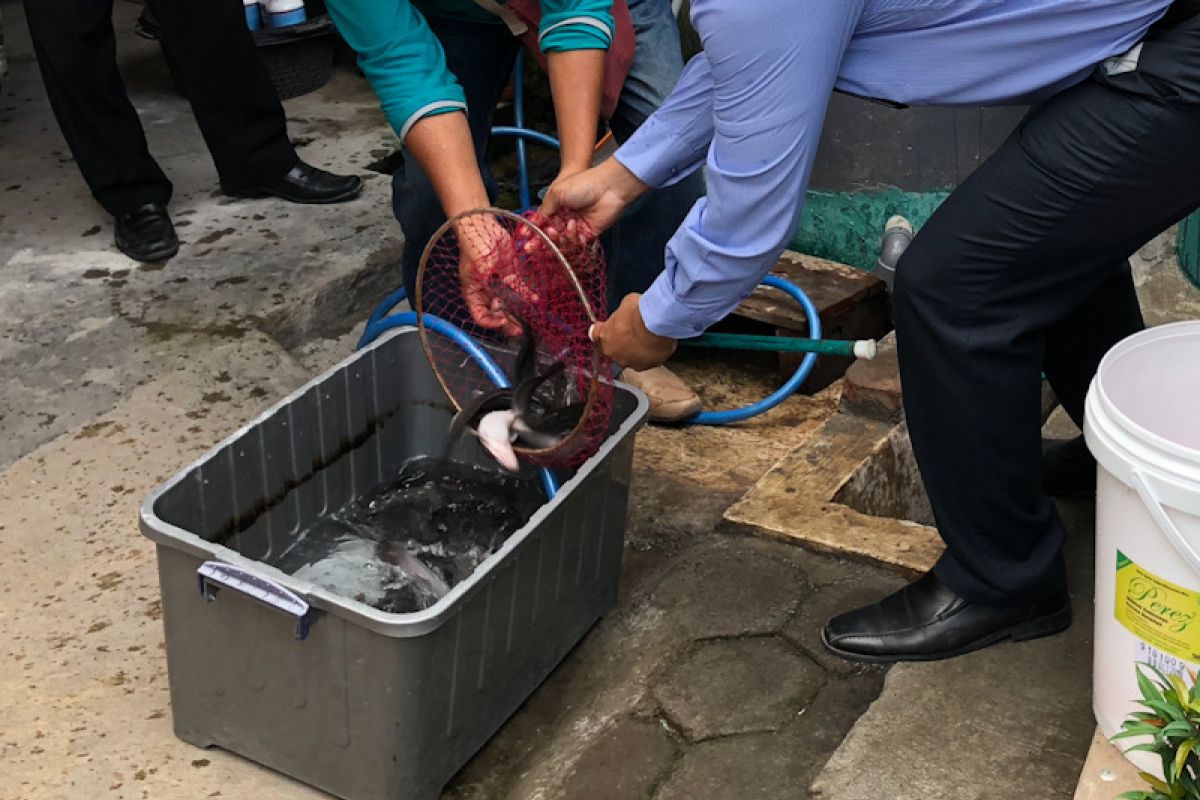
[(401, 57), (575, 25)]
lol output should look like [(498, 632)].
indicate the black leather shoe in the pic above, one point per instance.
[(925, 621), (146, 234), (304, 183), (1068, 468)]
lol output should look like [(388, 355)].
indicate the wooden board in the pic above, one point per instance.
[(834, 289)]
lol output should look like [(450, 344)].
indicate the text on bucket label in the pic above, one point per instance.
[(1158, 612)]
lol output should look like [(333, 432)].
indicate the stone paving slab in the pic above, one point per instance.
[(744, 593), (625, 763), (724, 687), (864, 588)]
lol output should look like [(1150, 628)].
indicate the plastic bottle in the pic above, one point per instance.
[(253, 14), (897, 235), (282, 13)]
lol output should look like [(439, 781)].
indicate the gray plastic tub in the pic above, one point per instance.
[(361, 703)]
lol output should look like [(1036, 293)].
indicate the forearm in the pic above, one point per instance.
[(576, 82), (442, 145)]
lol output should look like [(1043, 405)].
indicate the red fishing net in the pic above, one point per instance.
[(529, 298)]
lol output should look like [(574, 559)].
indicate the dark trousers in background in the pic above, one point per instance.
[(1023, 270), (214, 57)]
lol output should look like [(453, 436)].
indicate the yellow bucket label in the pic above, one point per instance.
[(1157, 611)]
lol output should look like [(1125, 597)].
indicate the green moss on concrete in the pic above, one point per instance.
[(847, 226), (1189, 248)]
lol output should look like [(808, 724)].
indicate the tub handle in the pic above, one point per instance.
[(215, 575), (1141, 484)]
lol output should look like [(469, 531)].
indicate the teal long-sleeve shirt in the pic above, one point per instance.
[(404, 61)]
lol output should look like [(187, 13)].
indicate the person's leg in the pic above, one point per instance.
[(635, 246), (1075, 345), (1074, 348), (1035, 234), (76, 51), (227, 83), (481, 56), (1019, 249)]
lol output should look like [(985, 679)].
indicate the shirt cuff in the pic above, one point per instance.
[(575, 33), (648, 155), (664, 315), (427, 110)]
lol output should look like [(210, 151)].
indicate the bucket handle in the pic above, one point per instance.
[(1141, 484), (214, 575)]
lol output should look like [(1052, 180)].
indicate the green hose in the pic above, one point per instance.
[(864, 348)]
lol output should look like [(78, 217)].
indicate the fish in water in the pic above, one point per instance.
[(399, 554), (508, 417)]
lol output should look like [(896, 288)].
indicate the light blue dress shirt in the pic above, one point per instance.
[(751, 106)]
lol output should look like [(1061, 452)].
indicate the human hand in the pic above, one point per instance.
[(487, 262), (599, 195), (625, 338)]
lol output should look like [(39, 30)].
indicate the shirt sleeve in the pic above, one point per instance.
[(672, 142), (401, 57), (771, 68), (575, 25)]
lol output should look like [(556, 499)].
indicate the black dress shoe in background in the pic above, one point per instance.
[(926, 621), (146, 234), (1068, 468), (303, 183)]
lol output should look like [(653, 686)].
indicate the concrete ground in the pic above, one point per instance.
[(82, 324), (706, 683)]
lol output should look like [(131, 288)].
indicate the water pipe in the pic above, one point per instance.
[(897, 236), (380, 322), (860, 348)]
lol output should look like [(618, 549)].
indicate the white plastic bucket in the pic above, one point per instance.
[(1143, 425)]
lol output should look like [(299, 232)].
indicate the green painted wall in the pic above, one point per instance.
[(847, 226), (1189, 248)]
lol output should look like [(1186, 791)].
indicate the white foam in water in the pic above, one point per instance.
[(351, 569)]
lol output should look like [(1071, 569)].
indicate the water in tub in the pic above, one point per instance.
[(403, 546)]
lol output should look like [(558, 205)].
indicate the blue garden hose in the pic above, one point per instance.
[(521, 133), (380, 322), (798, 377)]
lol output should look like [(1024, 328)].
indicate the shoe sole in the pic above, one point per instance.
[(674, 417), (321, 201), (1038, 628), (154, 257)]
